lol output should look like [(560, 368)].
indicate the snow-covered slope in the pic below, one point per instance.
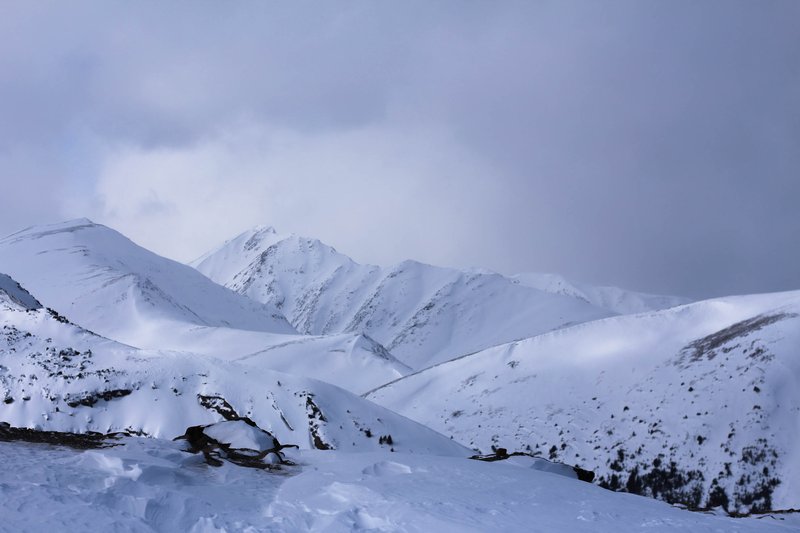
[(149, 485), (620, 301), (101, 280), (422, 314), (699, 403), (58, 376)]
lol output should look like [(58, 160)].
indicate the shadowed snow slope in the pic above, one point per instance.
[(421, 313), (150, 485), (699, 403), (106, 283), (12, 294), (55, 375)]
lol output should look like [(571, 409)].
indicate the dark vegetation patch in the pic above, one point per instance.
[(88, 399), (501, 454), (750, 493), (706, 347), (316, 419), (60, 318), (664, 482), (80, 441), (219, 405)]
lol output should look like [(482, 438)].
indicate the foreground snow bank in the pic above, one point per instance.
[(152, 485)]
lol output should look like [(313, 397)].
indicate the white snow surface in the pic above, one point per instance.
[(422, 314), (712, 386), (150, 485), (58, 376), (102, 281)]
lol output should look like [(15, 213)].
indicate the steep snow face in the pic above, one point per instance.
[(102, 280), (151, 485), (699, 403), (420, 313), (12, 294), (614, 299), (56, 376)]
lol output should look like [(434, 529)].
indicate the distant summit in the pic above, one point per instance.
[(621, 301)]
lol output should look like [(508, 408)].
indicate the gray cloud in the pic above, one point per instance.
[(652, 145)]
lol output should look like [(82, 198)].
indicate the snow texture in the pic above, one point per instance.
[(151, 485)]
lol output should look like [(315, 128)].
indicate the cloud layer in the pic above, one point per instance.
[(646, 144)]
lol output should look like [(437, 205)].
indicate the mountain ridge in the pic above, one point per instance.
[(422, 313)]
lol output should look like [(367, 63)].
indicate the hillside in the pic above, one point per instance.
[(699, 403), (102, 281), (58, 376)]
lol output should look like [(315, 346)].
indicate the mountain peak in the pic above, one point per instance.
[(264, 230), (49, 229)]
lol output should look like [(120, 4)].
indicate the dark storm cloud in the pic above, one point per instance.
[(654, 145)]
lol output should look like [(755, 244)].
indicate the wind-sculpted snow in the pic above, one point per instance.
[(107, 284), (422, 314), (698, 404), (148, 485), (56, 376)]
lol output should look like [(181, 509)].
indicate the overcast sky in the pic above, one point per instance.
[(651, 145)]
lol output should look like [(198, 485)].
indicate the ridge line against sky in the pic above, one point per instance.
[(649, 145)]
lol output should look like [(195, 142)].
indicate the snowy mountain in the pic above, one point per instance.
[(104, 282), (422, 314), (58, 376), (698, 404), (614, 299)]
